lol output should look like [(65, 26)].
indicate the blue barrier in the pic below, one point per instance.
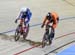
[(68, 51)]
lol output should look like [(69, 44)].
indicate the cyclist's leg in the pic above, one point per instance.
[(51, 35), (47, 29), (25, 27)]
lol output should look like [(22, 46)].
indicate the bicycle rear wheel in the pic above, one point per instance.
[(25, 34)]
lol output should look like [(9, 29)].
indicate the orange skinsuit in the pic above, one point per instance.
[(54, 18)]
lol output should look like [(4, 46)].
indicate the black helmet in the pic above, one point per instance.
[(49, 16)]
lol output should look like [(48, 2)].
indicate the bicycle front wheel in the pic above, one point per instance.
[(17, 36)]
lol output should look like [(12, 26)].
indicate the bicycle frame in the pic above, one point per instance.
[(45, 37), (21, 30)]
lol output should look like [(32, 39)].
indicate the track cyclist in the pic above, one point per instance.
[(51, 19)]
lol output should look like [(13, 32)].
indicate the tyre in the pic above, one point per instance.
[(17, 36), (46, 37), (25, 34), (44, 41)]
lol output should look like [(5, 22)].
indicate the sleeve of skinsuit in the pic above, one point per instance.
[(28, 16), (54, 23), (44, 22), (20, 15)]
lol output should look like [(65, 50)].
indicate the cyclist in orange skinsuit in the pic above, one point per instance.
[(54, 19)]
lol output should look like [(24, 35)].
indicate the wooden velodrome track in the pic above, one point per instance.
[(65, 31)]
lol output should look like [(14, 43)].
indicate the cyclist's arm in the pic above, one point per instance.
[(20, 15), (44, 21), (54, 23), (29, 17)]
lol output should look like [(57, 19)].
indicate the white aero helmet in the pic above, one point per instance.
[(24, 9)]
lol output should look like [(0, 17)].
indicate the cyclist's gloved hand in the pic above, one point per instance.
[(16, 21), (42, 25)]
